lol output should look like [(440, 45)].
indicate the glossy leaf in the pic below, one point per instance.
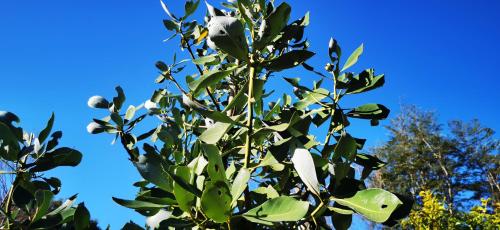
[(214, 133), (304, 165), (280, 209), (227, 34), (375, 204)]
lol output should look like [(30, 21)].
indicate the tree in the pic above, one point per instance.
[(433, 214), (219, 158), (459, 164), (29, 203)]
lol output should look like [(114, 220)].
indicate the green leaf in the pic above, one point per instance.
[(171, 25), (98, 102), (184, 198), (8, 117), (130, 113), (346, 147), (43, 200), (46, 131), (59, 157), (9, 146), (138, 204), (375, 204), (369, 161), (213, 134), (190, 7), (198, 165), (313, 97), (304, 165), (370, 111), (273, 25), (289, 60), (270, 160), (227, 34), (365, 81), (240, 183), (215, 166), (269, 191), (215, 115), (209, 79), (154, 169), (81, 218), (206, 59), (353, 58), (279, 209), (341, 221), (216, 201), (119, 99)]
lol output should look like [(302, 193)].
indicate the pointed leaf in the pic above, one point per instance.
[(353, 58), (81, 218), (45, 132), (240, 183)]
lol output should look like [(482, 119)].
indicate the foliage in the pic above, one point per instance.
[(460, 164), (219, 158), (434, 214), (29, 202)]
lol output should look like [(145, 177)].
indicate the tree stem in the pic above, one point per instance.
[(248, 144)]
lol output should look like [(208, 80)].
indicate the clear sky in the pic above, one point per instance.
[(54, 55)]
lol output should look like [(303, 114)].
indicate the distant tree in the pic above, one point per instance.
[(458, 164), (434, 214)]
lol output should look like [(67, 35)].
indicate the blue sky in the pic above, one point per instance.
[(54, 55)]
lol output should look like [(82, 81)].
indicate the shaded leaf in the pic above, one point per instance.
[(370, 111), (81, 218), (46, 131), (289, 60), (59, 157), (216, 201)]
